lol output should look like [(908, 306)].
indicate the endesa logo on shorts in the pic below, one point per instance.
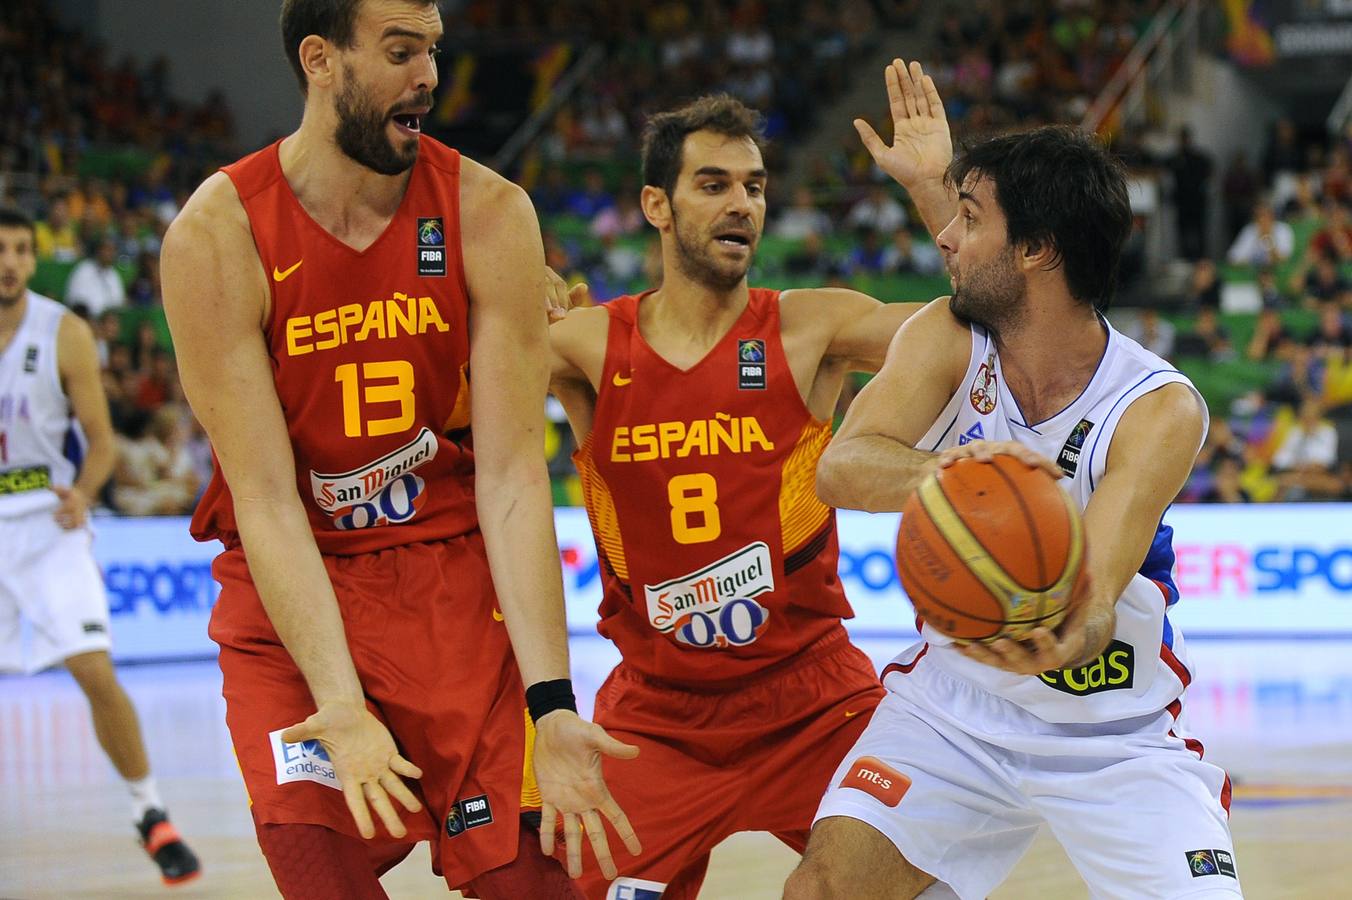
[(384, 492), (714, 607), (877, 779), (302, 761), (1113, 671), (624, 888)]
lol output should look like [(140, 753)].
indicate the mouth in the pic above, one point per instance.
[(410, 123), (734, 240)]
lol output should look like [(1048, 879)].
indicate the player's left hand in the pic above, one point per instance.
[(1086, 627), (74, 509), (559, 297), (568, 752), (922, 146)]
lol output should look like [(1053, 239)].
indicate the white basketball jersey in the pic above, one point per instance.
[(1144, 669), (35, 416)]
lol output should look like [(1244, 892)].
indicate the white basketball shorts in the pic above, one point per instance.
[(960, 780), (49, 577)]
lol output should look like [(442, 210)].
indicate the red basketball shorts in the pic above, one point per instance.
[(758, 757), (437, 668)]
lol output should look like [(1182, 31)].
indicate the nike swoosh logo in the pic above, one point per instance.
[(850, 714), (619, 380), (497, 616), (278, 275)]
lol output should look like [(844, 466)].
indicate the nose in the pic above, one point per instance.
[(738, 201), (948, 239), (425, 74)]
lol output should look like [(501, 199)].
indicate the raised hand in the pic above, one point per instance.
[(922, 146), (559, 297), (568, 752), (367, 763)]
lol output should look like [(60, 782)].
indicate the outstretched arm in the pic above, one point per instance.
[(922, 146)]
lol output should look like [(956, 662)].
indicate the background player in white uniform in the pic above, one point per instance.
[(49, 371), (973, 748)]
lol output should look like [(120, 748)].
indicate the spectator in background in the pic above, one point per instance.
[(1152, 332), (1263, 242), (592, 198), (867, 256), (1283, 155), (57, 238), (1225, 487), (1239, 192), (1204, 288), (1207, 338), (1334, 238), (1307, 459), (1271, 340), (801, 218), (622, 219), (1333, 336), (907, 256), (1322, 283), (95, 281), (145, 287), (155, 474), (1191, 171), (551, 194), (809, 259), (107, 333), (877, 211)]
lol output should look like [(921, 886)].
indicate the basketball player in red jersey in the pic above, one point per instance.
[(326, 314), (701, 409)]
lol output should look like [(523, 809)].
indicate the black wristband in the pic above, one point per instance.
[(544, 697)]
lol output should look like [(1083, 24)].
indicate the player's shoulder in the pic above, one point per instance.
[(581, 330), (490, 201), (820, 307), (213, 214)]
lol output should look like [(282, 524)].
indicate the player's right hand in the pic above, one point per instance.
[(922, 146), (985, 451), (366, 761)]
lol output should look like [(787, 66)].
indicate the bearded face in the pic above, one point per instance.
[(992, 293), (382, 140), (718, 256)]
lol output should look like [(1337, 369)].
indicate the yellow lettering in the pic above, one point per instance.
[(1121, 672), (696, 439), (327, 323), (1095, 675), (1069, 677), (374, 322), (729, 435), (429, 315), (669, 433), (644, 436), (619, 445), (349, 317), (752, 434), (298, 328), (407, 318)]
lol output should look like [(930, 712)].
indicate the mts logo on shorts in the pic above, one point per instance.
[(876, 778)]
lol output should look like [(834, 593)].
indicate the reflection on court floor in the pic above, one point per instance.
[(1278, 715)]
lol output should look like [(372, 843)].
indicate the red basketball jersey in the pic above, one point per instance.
[(369, 354), (717, 557)]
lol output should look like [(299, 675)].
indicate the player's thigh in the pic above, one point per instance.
[(11, 650), (1147, 828), (64, 597), (849, 858), (943, 799)]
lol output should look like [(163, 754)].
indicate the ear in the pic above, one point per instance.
[(1039, 256), (318, 60), (656, 207)]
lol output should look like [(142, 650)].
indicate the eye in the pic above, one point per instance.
[(755, 190), (712, 187), (434, 52), (399, 55)]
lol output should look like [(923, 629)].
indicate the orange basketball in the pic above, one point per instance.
[(990, 549)]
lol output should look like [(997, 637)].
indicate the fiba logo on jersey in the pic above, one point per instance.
[(751, 365), (431, 247), (1069, 458), (984, 386), (1211, 862)]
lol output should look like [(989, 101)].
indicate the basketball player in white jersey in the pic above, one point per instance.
[(973, 748), (49, 375)]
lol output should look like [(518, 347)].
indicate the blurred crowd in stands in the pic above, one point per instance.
[(104, 157)]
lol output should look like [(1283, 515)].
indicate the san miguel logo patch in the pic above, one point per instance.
[(431, 247), (984, 387)]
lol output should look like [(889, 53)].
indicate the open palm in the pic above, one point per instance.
[(922, 146)]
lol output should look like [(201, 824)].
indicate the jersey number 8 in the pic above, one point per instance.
[(694, 508)]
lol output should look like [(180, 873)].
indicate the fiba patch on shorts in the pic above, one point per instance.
[(623, 888), (1211, 862), (302, 761), (877, 779)]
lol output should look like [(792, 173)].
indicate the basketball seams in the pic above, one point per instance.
[(1031, 524)]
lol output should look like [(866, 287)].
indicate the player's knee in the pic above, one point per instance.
[(94, 673), (819, 879)]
